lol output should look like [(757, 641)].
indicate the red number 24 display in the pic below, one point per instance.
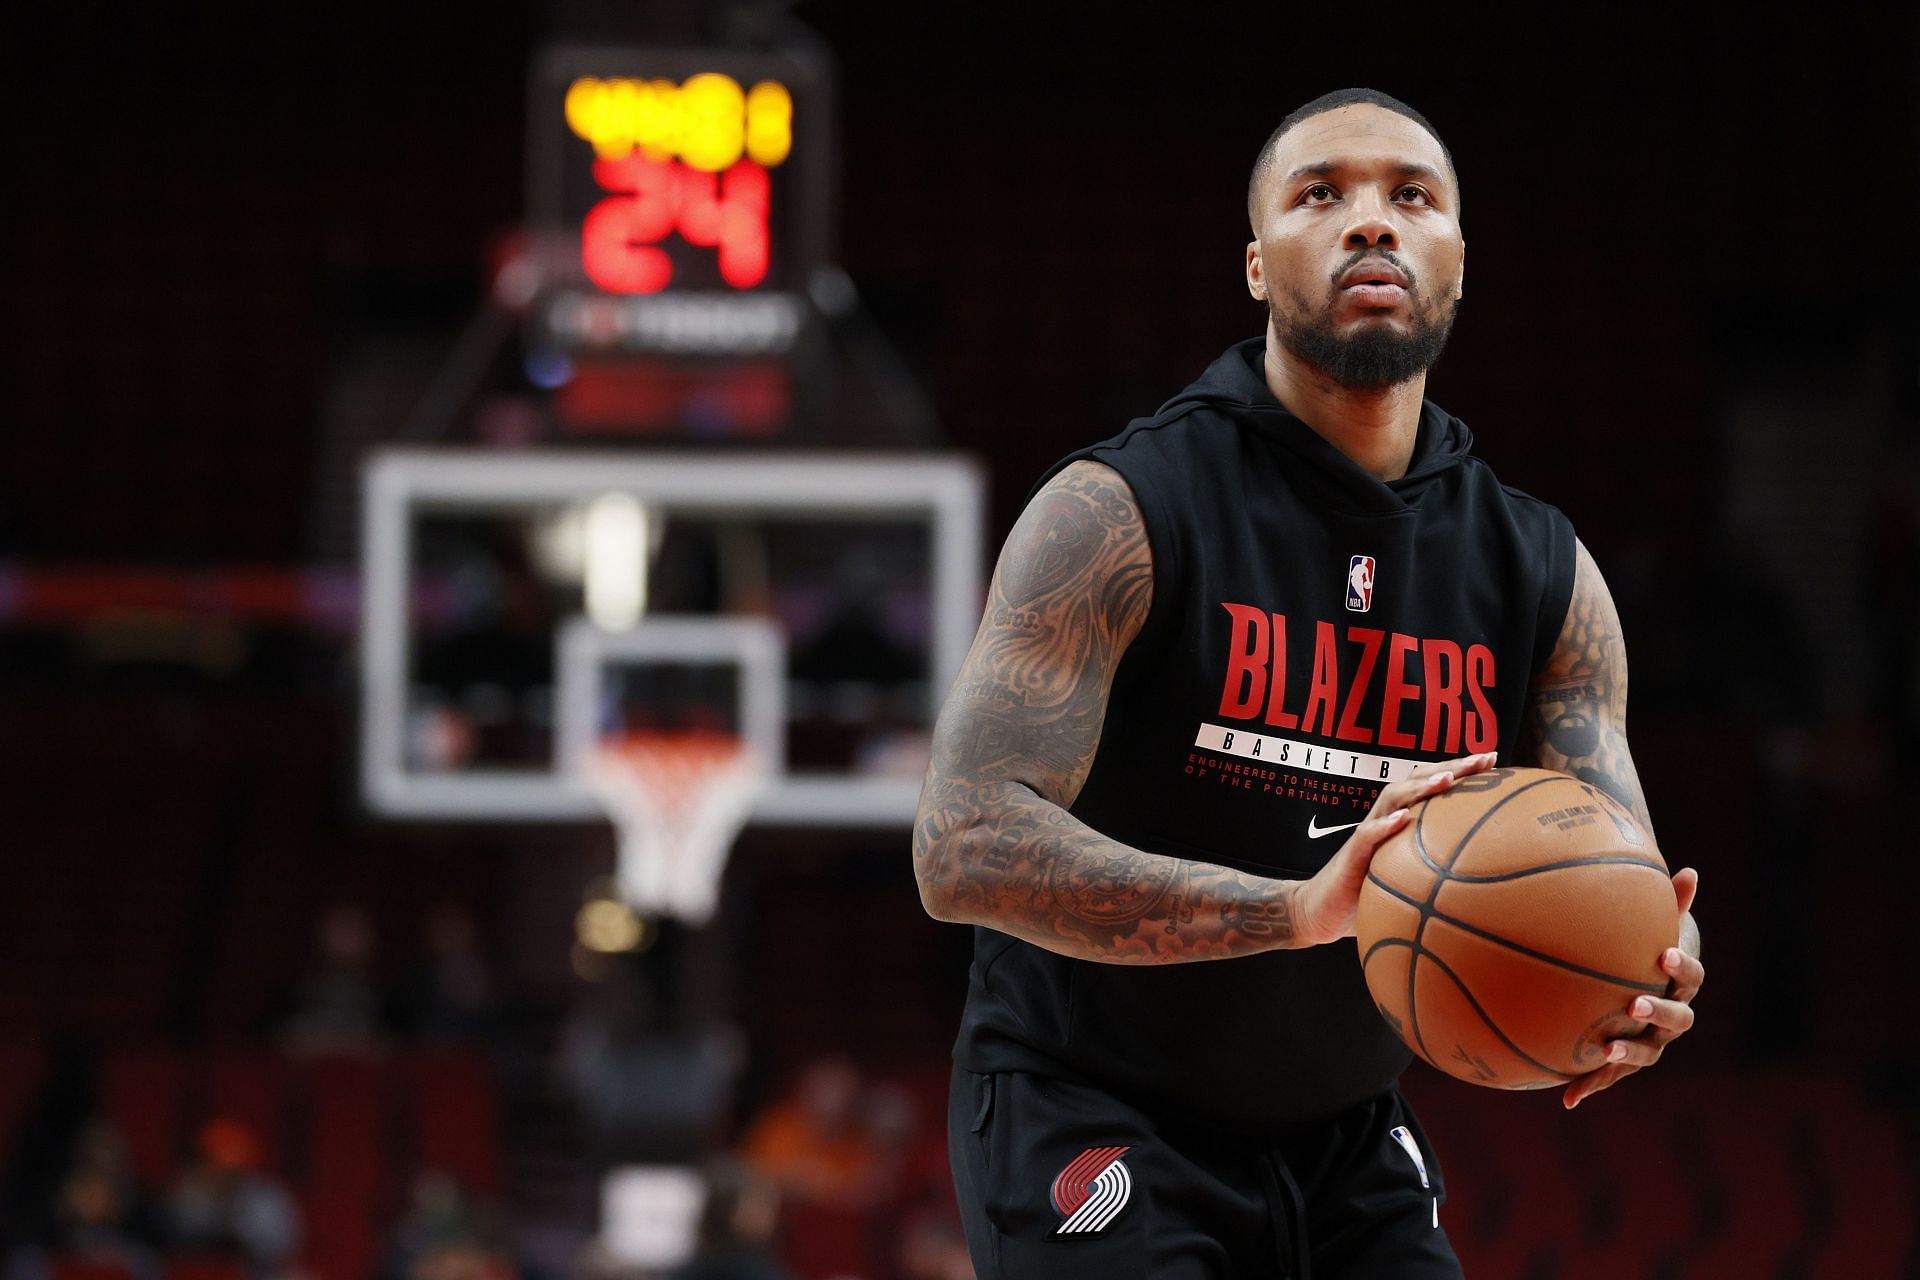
[(690, 159), (652, 199)]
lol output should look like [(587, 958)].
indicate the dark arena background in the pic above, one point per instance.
[(322, 418)]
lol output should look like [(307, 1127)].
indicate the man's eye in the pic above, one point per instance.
[(1413, 193), (1318, 191)]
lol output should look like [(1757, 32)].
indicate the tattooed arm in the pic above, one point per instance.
[(993, 842), (1577, 723), (1577, 710)]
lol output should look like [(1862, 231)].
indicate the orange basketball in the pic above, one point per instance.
[(1505, 929)]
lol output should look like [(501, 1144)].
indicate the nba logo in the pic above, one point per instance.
[(1360, 584)]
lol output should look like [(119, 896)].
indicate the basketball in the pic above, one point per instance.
[(1506, 928)]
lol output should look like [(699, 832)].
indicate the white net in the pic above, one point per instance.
[(679, 799)]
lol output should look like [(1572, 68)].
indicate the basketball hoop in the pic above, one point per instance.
[(679, 799)]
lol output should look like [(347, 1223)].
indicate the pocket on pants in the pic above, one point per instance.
[(983, 1091)]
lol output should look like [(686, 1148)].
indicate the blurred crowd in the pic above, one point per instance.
[(341, 1005), (224, 1208), (839, 1144), (841, 1172), (841, 1176), (227, 1216), (76, 1208)]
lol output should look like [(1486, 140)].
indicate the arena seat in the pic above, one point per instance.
[(1511, 1208), (455, 1121), (250, 1087), (349, 1145), (91, 1266), (1640, 1209), (141, 1096), (205, 1266), (818, 1242), (1872, 1187), (1753, 1199), (364, 1125), (348, 1134), (340, 1239)]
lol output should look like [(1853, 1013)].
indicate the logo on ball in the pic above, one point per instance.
[(1092, 1190), (1360, 584)]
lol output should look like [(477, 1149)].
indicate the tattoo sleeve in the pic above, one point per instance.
[(1577, 710), (993, 842)]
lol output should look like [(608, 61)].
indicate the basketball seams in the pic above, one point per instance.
[(1434, 913), (1487, 817), (1383, 942), (1413, 961), (1595, 860), (1429, 910), (1392, 892), (1420, 844), (1444, 873), (1441, 876), (1614, 979), (1467, 995)]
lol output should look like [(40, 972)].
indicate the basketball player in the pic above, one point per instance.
[(1224, 651)]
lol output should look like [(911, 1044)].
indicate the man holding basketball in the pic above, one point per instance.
[(1289, 605)]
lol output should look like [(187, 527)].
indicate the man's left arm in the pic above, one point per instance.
[(1577, 723)]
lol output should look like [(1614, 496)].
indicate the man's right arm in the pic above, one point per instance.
[(993, 842)]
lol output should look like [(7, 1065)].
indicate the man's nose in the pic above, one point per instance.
[(1370, 228)]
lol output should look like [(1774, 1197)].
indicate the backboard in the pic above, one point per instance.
[(500, 589)]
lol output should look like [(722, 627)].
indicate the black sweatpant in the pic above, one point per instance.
[(1060, 1181)]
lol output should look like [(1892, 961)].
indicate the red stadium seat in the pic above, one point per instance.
[(92, 1266), (1535, 1212), (141, 1094), (456, 1120), (1759, 1197), (1640, 1205), (819, 1243), (340, 1239), (249, 1087), (1871, 1186), (348, 1135), (349, 1146), (205, 1266)]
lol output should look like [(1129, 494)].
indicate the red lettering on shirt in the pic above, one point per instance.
[(1449, 686)]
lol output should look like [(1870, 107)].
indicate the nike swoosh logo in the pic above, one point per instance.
[(1315, 830)]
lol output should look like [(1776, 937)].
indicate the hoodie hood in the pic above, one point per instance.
[(1235, 386)]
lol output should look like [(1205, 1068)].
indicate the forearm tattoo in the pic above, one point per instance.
[(994, 843), (1577, 710)]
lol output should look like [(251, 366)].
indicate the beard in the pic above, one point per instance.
[(1374, 357)]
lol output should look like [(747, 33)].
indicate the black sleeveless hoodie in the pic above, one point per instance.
[(1314, 633)]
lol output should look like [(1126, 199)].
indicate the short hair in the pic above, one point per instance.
[(1263, 163)]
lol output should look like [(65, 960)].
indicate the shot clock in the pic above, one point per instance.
[(677, 201), (686, 160)]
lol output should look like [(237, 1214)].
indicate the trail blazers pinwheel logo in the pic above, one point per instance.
[(1092, 1190)]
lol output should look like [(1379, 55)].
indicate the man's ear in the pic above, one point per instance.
[(1256, 272)]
